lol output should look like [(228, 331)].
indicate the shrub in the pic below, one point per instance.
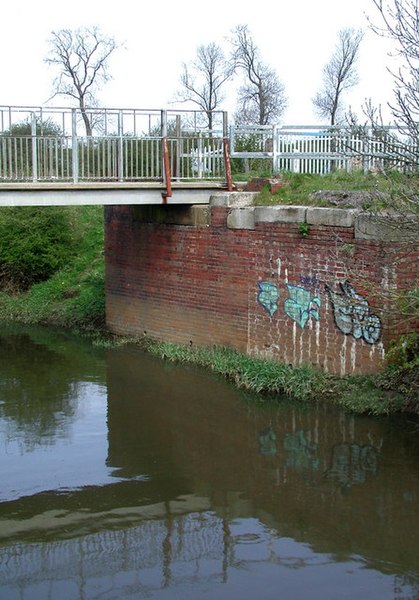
[(34, 244)]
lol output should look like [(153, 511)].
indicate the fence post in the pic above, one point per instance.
[(365, 155), (34, 148), (178, 146), (120, 166), (199, 155), (74, 146), (275, 149)]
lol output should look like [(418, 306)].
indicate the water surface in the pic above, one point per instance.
[(122, 476)]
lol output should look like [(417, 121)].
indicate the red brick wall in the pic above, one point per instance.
[(198, 284)]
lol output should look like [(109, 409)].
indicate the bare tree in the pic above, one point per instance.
[(261, 98), (394, 209), (203, 79), (339, 74), (399, 21), (81, 56)]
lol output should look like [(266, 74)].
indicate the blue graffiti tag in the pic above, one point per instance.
[(352, 314), (308, 280), (301, 306), (268, 296)]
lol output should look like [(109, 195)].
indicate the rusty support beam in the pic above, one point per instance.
[(227, 164)]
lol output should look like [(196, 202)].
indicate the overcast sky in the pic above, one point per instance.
[(295, 38)]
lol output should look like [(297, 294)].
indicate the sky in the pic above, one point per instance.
[(295, 38)]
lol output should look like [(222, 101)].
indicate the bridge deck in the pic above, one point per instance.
[(105, 193)]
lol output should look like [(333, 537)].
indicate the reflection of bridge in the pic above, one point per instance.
[(133, 156)]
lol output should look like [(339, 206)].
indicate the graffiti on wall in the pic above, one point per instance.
[(301, 305), (352, 314), (309, 280), (268, 296)]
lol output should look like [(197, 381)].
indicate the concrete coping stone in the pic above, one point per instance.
[(367, 226), (335, 217), (387, 227), (232, 199), (241, 218), (280, 214)]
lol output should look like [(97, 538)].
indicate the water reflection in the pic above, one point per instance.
[(40, 385), (195, 492)]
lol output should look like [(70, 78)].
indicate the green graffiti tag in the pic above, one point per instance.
[(301, 305), (268, 296)]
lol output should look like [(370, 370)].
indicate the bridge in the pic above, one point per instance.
[(70, 156), (112, 156)]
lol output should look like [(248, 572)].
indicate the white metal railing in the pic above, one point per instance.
[(39, 144), (318, 149)]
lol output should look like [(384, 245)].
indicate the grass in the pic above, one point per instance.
[(306, 189), (358, 394), (74, 297)]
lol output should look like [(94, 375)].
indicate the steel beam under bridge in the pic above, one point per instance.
[(70, 194)]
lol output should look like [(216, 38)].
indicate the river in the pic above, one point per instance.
[(122, 476)]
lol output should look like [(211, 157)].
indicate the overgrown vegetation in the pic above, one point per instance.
[(360, 394), (375, 189), (402, 372), (70, 292), (34, 244)]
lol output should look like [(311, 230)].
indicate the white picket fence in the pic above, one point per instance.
[(319, 150)]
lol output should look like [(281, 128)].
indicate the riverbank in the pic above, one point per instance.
[(74, 299), (360, 394)]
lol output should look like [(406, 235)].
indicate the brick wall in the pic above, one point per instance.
[(300, 285)]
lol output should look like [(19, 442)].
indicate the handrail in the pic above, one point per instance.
[(52, 144)]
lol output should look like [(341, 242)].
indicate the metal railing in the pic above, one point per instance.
[(122, 145), (319, 150), (39, 144)]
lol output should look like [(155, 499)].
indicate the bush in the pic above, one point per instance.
[(34, 244), (402, 372)]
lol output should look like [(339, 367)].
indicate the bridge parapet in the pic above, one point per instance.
[(69, 145)]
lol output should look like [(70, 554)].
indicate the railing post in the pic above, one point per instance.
[(226, 153), (199, 154), (34, 148), (275, 149), (120, 147), (178, 145), (232, 140), (167, 178), (74, 146)]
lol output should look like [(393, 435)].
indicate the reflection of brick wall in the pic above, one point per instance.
[(301, 285)]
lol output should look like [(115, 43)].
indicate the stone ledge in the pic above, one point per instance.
[(387, 228), (233, 199), (241, 218), (372, 227), (335, 217), (280, 214)]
